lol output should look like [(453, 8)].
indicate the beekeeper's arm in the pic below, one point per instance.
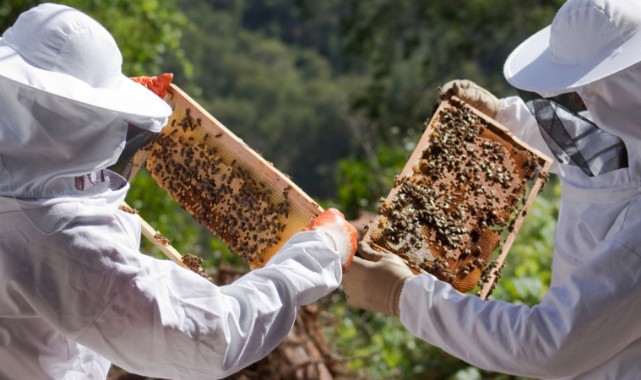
[(578, 325), (154, 318)]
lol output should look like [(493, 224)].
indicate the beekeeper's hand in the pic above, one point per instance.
[(376, 285), (332, 222), (471, 93), (368, 253), (159, 85)]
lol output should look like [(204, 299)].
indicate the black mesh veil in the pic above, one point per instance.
[(573, 137), (137, 138)]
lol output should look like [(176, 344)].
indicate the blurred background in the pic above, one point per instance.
[(335, 93)]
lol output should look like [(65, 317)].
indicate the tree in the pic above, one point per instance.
[(283, 101), (147, 31)]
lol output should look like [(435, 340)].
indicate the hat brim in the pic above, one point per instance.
[(531, 66), (134, 102)]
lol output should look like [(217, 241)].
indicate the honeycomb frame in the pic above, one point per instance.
[(226, 186), (458, 203)]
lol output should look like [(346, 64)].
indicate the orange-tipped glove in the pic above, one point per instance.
[(158, 85), (472, 94), (375, 284), (343, 234)]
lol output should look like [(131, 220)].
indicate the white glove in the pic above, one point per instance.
[(333, 223), (376, 285), (471, 93)]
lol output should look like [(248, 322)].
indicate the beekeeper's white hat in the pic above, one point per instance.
[(61, 51), (588, 40)]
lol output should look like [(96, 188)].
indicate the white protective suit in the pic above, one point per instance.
[(75, 292), (588, 325)]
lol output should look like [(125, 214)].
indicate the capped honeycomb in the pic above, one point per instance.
[(225, 185), (457, 204)]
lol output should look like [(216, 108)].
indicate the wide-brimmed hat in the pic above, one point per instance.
[(58, 50), (588, 40)]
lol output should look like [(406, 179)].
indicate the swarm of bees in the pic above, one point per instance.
[(224, 185), (459, 199)]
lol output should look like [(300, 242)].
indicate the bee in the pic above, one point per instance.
[(161, 239)]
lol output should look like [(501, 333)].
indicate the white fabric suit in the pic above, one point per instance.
[(588, 323), (75, 292), (74, 297)]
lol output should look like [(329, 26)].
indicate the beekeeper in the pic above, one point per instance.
[(588, 325), (75, 292)]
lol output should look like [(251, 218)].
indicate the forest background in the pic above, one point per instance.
[(335, 93)]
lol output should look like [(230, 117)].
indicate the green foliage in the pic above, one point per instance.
[(11, 9), (363, 182), (376, 346), (146, 31), (411, 47), (282, 101)]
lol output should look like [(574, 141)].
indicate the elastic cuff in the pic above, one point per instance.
[(395, 300), (500, 111)]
